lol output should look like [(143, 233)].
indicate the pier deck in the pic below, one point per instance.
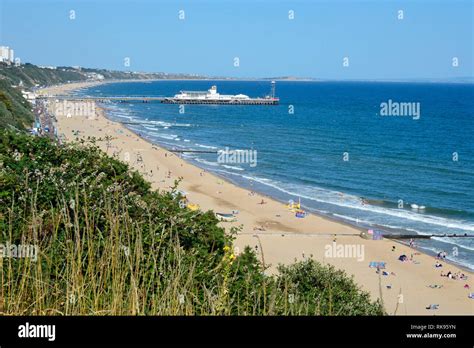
[(256, 101), (167, 100)]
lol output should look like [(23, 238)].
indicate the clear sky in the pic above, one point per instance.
[(260, 34)]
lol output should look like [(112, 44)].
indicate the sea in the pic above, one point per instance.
[(395, 157)]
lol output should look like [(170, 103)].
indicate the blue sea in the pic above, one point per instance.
[(328, 145)]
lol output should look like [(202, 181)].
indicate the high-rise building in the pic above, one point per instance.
[(6, 54)]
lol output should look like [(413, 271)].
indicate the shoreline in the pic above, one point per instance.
[(329, 217), (277, 224), (309, 210)]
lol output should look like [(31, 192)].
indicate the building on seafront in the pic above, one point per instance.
[(6, 55)]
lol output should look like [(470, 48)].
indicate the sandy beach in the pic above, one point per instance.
[(273, 230)]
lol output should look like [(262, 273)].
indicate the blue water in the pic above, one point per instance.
[(301, 155)]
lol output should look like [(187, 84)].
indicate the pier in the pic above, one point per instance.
[(212, 97), (255, 101), (143, 99), (167, 100), (209, 97)]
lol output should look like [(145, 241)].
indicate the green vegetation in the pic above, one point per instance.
[(109, 245), (30, 75), (15, 111)]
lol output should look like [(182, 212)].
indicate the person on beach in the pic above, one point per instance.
[(263, 202)]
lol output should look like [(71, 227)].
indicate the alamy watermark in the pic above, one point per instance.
[(69, 108), (228, 156), (37, 331), (393, 108), (335, 250), (18, 251)]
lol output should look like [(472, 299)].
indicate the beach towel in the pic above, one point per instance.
[(377, 264)]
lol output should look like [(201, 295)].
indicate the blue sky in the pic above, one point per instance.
[(259, 33)]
